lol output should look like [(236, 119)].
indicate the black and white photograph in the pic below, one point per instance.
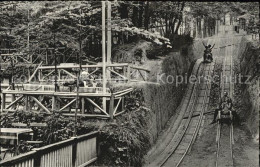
[(129, 83)]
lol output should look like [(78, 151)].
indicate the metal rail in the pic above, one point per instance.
[(231, 141), (197, 126), (196, 89), (187, 123)]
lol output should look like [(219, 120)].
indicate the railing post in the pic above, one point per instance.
[(74, 151), (3, 101), (128, 73), (123, 103), (37, 157), (26, 102), (53, 103), (82, 105), (111, 106), (124, 70)]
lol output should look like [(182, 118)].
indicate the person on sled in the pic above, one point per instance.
[(207, 51), (226, 102)]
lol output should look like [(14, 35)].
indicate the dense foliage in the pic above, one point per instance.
[(123, 141), (77, 24)]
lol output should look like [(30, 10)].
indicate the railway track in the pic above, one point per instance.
[(188, 130), (224, 156)]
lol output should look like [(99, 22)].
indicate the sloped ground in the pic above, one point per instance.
[(161, 100), (245, 149), (203, 152), (248, 64), (174, 64)]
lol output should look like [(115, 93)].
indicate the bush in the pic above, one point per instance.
[(178, 41), (123, 141)]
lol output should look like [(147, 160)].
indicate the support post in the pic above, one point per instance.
[(26, 102), (111, 106), (82, 105), (53, 103), (59, 74), (124, 71), (41, 105), (104, 51), (109, 38), (28, 37), (123, 103), (3, 101), (128, 73), (74, 151)]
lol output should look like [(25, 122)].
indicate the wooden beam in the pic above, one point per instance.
[(26, 102), (104, 51), (140, 68), (111, 106), (40, 104), (82, 105), (69, 73), (67, 105), (29, 80), (52, 93), (109, 38), (92, 102), (3, 101), (118, 74), (119, 92), (24, 59), (53, 103), (11, 54), (123, 93), (86, 115), (128, 73), (134, 71), (47, 74), (141, 75), (14, 102), (117, 106), (93, 72), (119, 113), (84, 66)]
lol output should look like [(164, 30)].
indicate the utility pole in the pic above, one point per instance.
[(12, 77), (104, 51), (55, 65), (0, 78), (78, 78), (28, 36), (109, 40)]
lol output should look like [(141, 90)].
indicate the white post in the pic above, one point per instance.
[(108, 37), (28, 37), (104, 51)]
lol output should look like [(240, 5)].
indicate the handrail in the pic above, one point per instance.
[(66, 142), (140, 68), (37, 154), (31, 77), (83, 66), (18, 158)]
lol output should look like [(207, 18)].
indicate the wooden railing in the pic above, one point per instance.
[(74, 152), (41, 87), (120, 72)]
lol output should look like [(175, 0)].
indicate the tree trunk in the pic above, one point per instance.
[(141, 10), (135, 15), (147, 17), (173, 25), (123, 9), (180, 18), (166, 25)]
